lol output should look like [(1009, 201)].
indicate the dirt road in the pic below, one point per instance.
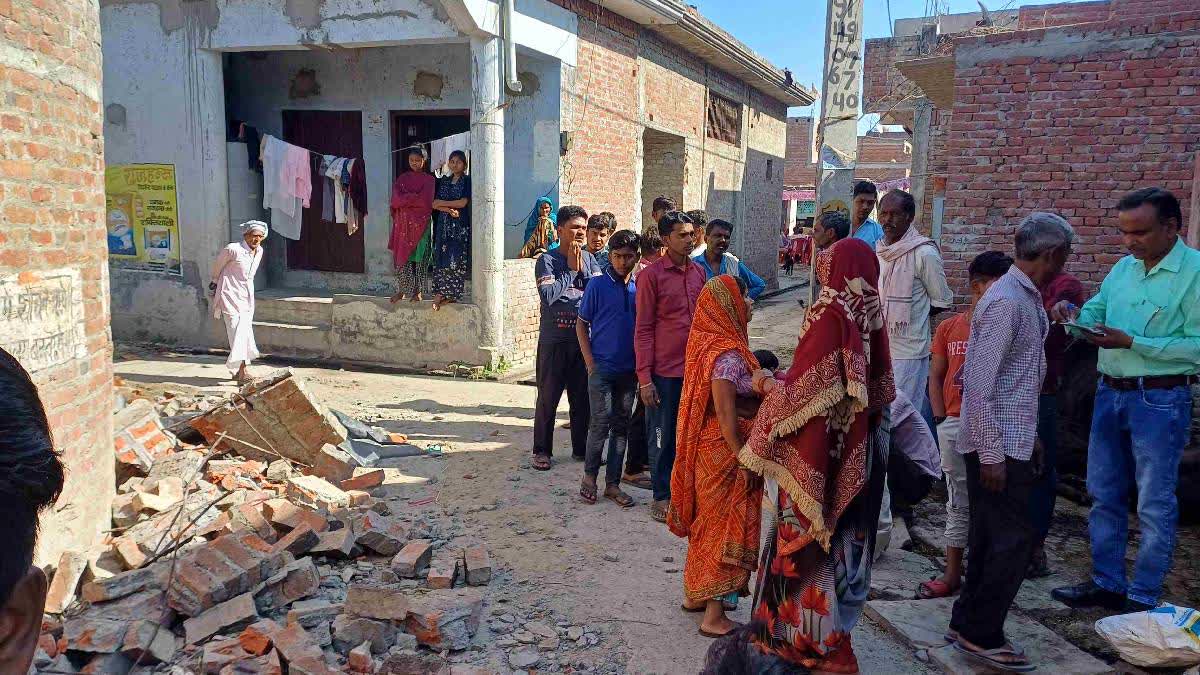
[(614, 572)]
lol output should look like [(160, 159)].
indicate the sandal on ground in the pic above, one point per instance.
[(618, 497), (693, 610), (541, 462), (708, 634), (587, 492), (989, 657), (658, 510), (934, 588), (639, 480)]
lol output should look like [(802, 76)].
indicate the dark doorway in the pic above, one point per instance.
[(413, 127), (325, 247)]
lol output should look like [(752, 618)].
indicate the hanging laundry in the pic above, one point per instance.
[(326, 188), (358, 195), (287, 184), (439, 151)]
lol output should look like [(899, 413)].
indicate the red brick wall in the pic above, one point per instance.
[(798, 168), (1044, 16), (1069, 133), (52, 221), (884, 88)]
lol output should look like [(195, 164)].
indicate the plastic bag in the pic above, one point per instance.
[(1162, 637)]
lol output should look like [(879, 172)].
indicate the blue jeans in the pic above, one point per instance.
[(612, 404), (1139, 434), (660, 434)]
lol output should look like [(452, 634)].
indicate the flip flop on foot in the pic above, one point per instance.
[(541, 462), (396, 298), (718, 632), (587, 490), (618, 497), (934, 588), (1005, 658), (637, 480), (693, 610), (658, 510)]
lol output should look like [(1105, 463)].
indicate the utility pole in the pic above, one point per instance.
[(841, 94)]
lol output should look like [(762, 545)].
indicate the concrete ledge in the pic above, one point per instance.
[(371, 329)]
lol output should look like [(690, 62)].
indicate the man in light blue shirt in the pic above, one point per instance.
[(864, 197), (716, 259)]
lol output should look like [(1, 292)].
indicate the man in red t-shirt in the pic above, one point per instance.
[(948, 353)]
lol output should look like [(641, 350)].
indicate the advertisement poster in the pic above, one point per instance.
[(142, 217)]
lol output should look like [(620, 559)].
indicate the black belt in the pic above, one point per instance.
[(1154, 382)]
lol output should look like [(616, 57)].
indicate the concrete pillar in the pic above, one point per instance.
[(487, 204), (793, 208), (922, 119)]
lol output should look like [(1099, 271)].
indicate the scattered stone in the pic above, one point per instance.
[(235, 613), (258, 638), (297, 542), (525, 637), (412, 558), (350, 631), (668, 558), (336, 544), (446, 619), (279, 471), (611, 557), (299, 579), (317, 493), (383, 538), (334, 464), (124, 513), (574, 633), (250, 516), (220, 653), (95, 634), (148, 642), (131, 554), (295, 644), (377, 602), (71, 567), (443, 571), (289, 516), (524, 658), (360, 660), (309, 613), (107, 663), (549, 644), (541, 630), (411, 662), (479, 566)]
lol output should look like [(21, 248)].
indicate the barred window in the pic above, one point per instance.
[(724, 119)]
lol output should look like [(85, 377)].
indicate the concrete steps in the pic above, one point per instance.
[(292, 323)]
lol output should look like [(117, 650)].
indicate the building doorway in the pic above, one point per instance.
[(664, 169), (325, 247), (412, 127)]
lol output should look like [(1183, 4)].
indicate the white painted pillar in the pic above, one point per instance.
[(793, 208), (487, 203)]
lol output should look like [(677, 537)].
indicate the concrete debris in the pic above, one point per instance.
[(212, 564)]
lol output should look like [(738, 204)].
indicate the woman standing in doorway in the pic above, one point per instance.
[(412, 204), (452, 232)]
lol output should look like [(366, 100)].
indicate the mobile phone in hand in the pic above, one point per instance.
[(1087, 329)]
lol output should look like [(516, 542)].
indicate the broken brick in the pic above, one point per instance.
[(219, 653), (336, 544), (148, 642), (299, 579), (479, 566), (316, 493), (124, 513), (146, 501), (308, 613), (443, 570), (295, 644), (126, 583), (279, 471), (334, 464), (65, 582), (258, 638), (103, 635), (414, 556), (138, 438), (184, 464), (298, 542), (359, 498), (384, 539), (217, 571), (234, 613), (360, 660), (103, 664), (349, 631), (364, 480), (129, 552), (445, 619), (267, 664), (374, 601), (250, 516), (289, 516)]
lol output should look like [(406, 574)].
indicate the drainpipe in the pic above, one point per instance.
[(510, 47)]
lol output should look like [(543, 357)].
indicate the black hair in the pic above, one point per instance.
[(736, 654), (625, 239), (570, 211), (1165, 204), (767, 359), (663, 203), (989, 265), (837, 221), (599, 221), (31, 475), (741, 284), (864, 187), (698, 216), (611, 218), (666, 224), (651, 241), (409, 153), (723, 224), (459, 154), (906, 200)]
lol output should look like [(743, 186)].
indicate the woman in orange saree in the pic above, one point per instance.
[(819, 441), (714, 502)]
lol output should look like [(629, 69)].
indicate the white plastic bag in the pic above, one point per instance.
[(1160, 638)]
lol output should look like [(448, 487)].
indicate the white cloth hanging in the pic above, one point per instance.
[(287, 184), (439, 151)]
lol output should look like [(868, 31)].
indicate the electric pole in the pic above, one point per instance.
[(841, 94)]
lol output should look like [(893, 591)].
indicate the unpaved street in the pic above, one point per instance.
[(610, 570)]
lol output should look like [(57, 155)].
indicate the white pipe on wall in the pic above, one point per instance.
[(510, 48)]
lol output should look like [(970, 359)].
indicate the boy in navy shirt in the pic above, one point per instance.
[(562, 275), (605, 332)]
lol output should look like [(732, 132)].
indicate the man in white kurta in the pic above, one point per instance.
[(233, 299)]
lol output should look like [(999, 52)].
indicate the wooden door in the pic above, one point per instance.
[(324, 246)]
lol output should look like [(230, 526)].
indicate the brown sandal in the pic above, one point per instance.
[(541, 462), (618, 497), (658, 510), (587, 493)]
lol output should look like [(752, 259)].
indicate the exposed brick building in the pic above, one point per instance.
[(53, 256), (882, 156)]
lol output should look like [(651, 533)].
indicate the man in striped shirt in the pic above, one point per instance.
[(1002, 378)]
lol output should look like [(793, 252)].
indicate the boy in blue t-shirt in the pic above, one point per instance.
[(605, 332)]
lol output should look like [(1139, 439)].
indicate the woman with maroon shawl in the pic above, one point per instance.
[(714, 502), (819, 441), (412, 207)]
